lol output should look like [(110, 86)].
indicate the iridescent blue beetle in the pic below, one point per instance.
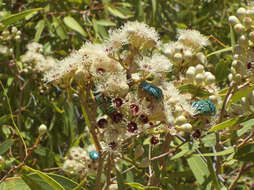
[(94, 155), (205, 107), (152, 90)]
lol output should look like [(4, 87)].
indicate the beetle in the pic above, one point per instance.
[(205, 107), (94, 155), (152, 90)]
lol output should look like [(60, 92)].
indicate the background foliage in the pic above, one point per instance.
[(63, 26)]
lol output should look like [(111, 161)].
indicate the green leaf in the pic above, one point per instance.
[(221, 153), (221, 70), (232, 38), (245, 153), (5, 118), (199, 168), (10, 19), (47, 179), (247, 126), (243, 92), (209, 140), (14, 184), (105, 22), (230, 123), (136, 186), (195, 90), (32, 183), (39, 28), (59, 28), (4, 147), (120, 181), (116, 12), (74, 25), (220, 51)]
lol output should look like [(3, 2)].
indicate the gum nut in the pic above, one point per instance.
[(233, 20), (199, 68), (239, 28), (180, 120), (241, 11), (199, 78), (42, 129), (250, 12), (178, 57), (139, 151), (251, 36), (178, 109), (167, 52)]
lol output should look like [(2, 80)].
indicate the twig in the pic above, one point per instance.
[(109, 167), (150, 165), (237, 177), (30, 150)]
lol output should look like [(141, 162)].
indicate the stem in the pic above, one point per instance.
[(109, 167), (150, 165), (237, 177)]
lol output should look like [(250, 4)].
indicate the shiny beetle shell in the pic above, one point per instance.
[(94, 155), (152, 90), (204, 107)]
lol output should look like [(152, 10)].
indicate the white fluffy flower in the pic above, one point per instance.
[(192, 38), (155, 65)]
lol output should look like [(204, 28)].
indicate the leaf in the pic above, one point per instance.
[(39, 28), (209, 140), (105, 23), (10, 19), (4, 147), (199, 169), (59, 28), (245, 153), (243, 92), (14, 184), (74, 25), (221, 153), (220, 51), (230, 123), (195, 90), (232, 38), (117, 13), (221, 70), (120, 181), (31, 183), (136, 186), (5, 118), (247, 126), (47, 179)]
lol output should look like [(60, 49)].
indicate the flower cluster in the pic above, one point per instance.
[(242, 65), (80, 161), (127, 77)]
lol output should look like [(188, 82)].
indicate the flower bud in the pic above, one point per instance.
[(201, 58), (247, 21), (251, 36), (238, 77), (187, 127), (243, 41), (210, 78), (233, 20), (139, 151), (187, 54), (239, 28), (199, 78), (199, 68), (168, 52), (42, 129), (178, 57), (241, 11), (180, 120), (230, 77), (190, 72)]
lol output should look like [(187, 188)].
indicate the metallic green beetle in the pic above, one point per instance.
[(152, 90), (205, 107)]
